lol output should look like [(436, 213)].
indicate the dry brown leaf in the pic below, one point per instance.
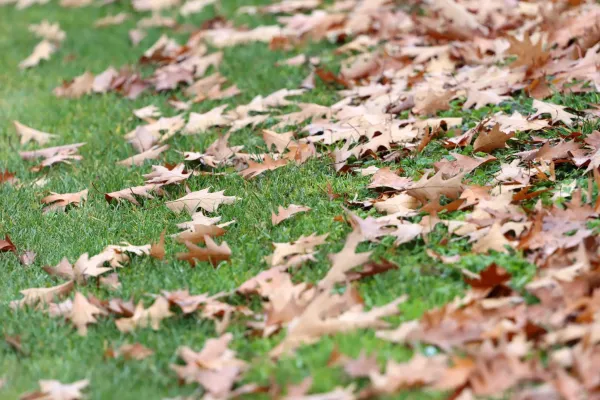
[(215, 367), (488, 141), (35, 296), (7, 245), (285, 213), (56, 201), (110, 282), (83, 313), (166, 176), (302, 245), (55, 390), (142, 318), (48, 31), (136, 36), (76, 88), (201, 199), (517, 122), (494, 239), (199, 232), (345, 261), (130, 194), (42, 51), (200, 123), (151, 154), (254, 169), (430, 189), (157, 250), (557, 112), (212, 252), (27, 134), (461, 163), (27, 258), (136, 351), (111, 20), (281, 141)]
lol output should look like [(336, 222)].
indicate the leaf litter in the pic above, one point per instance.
[(401, 70)]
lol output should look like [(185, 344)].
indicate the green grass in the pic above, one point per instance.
[(54, 350)]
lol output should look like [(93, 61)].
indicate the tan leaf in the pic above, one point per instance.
[(27, 134), (430, 102), (42, 51), (165, 176), (462, 163), (280, 140), (110, 282), (557, 112), (194, 6), (494, 239), (142, 318), (86, 267), (56, 201), (48, 31), (215, 367), (201, 199), (345, 261), (130, 193), (488, 141), (55, 390), (254, 169), (110, 20), (136, 36), (35, 296), (199, 232), (303, 245), (401, 204), (517, 122), (285, 213), (481, 98), (27, 258), (157, 250), (151, 154), (83, 313), (428, 189), (136, 351), (79, 86), (147, 112), (200, 123), (384, 177), (212, 252)]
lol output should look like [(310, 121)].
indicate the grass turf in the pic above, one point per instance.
[(53, 350)]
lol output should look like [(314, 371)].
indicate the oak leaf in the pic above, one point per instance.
[(83, 313), (384, 177), (56, 201), (212, 252), (151, 154), (200, 123), (254, 169), (285, 213), (302, 245), (201, 199), (557, 112), (166, 176), (109, 20), (157, 250), (487, 141), (42, 51), (55, 390), (27, 134), (76, 88), (136, 351), (48, 31), (428, 189), (131, 193), (142, 318), (215, 367), (280, 140), (7, 245), (461, 163), (517, 122), (110, 282), (35, 296), (345, 261), (494, 239), (199, 232)]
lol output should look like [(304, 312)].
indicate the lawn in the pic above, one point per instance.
[(52, 349)]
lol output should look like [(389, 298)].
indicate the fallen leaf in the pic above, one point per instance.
[(76, 88), (111, 20), (110, 282), (254, 169), (151, 154), (135, 351), (557, 112), (157, 250), (303, 245), (142, 318), (35, 296), (42, 51), (83, 313), (131, 193), (27, 258), (285, 213), (55, 390), (201, 199), (212, 252), (56, 201), (487, 141), (7, 245), (27, 134)]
